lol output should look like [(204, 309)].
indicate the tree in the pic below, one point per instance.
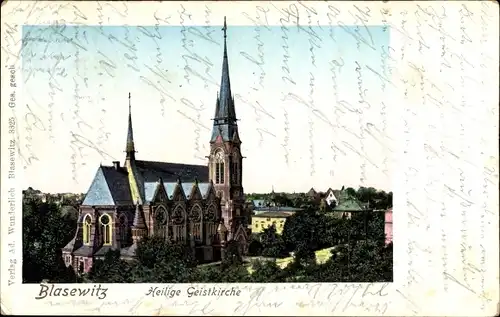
[(375, 226), (70, 212), (336, 231), (389, 200), (207, 274), (350, 191), (272, 244), (370, 262), (306, 227), (267, 272), (159, 261), (255, 248), (336, 268), (232, 256), (298, 201), (234, 274), (111, 269), (282, 199), (45, 232), (377, 199), (304, 254), (366, 194)]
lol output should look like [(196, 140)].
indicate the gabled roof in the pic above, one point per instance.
[(336, 193), (348, 203), (150, 189), (110, 187), (311, 192)]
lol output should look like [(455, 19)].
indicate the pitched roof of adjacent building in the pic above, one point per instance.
[(336, 192), (271, 214), (348, 203), (311, 192), (277, 209)]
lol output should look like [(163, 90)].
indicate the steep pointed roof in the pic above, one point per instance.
[(217, 103), (139, 221), (109, 187), (311, 192), (130, 147), (226, 106), (348, 203), (225, 122)]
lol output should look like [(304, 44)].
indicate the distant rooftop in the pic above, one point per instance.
[(259, 202), (271, 214), (277, 209)]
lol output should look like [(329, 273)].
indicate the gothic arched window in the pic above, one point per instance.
[(178, 224), (123, 228), (210, 224), (219, 167), (235, 168), (160, 222), (106, 229), (87, 229), (196, 223)]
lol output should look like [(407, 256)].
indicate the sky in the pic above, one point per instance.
[(304, 96)]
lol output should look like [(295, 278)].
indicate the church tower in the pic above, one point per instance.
[(130, 158), (225, 159)]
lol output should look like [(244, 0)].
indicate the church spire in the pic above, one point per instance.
[(225, 114), (133, 176), (130, 148), (226, 107)]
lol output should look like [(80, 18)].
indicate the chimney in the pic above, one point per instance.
[(116, 164)]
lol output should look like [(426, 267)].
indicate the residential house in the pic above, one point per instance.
[(267, 219), (332, 196)]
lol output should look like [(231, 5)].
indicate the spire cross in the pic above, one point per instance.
[(225, 27)]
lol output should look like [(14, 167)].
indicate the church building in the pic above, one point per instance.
[(200, 205)]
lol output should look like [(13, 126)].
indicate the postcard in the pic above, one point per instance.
[(250, 158)]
